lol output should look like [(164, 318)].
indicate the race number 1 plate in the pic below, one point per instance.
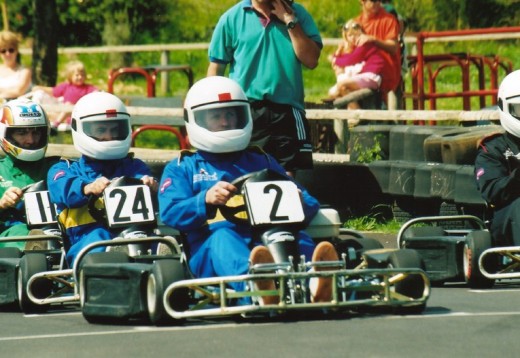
[(274, 202), (128, 205), (38, 208)]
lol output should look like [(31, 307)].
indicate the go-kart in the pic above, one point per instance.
[(112, 285), (108, 285), (43, 251), (451, 247), (366, 276)]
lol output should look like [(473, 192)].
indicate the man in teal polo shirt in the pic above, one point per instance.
[(24, 132), (266, 42)]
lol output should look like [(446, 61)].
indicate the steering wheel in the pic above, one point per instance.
[(99, 213), (230, 213), (37, 186)]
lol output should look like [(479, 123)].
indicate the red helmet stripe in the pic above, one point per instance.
[(110, 113), (224, 97)]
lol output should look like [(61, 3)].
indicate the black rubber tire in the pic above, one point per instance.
[(164, 273), (411, 286), (10, 253), (401, 213), (476, 243), (30, 264)]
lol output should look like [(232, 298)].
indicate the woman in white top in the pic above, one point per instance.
[(15, 79)]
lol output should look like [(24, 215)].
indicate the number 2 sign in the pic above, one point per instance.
[(274, 202)]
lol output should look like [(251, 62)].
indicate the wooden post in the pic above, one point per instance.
[(342, 133), (165, 85)]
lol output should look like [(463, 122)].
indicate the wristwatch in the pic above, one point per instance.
[(292, 24)]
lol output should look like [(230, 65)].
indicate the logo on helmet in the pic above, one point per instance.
[(30, 111)]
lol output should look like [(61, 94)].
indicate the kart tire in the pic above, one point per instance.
[(476, 243), (164, 273), (413, 285), (10, 253), (30, 264)]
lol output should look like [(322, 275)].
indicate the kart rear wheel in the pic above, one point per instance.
[(413, 285), (164, 273), (30, 264), (476, 243)]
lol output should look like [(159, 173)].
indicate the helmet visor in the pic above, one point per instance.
[(113, 129), (514, 110), (27, 137), (222, 118)]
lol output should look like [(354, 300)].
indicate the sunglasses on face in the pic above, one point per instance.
[(4, 50)]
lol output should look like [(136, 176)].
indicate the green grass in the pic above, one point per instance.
[(369, 223)]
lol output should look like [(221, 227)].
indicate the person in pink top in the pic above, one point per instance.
[(68, 92), (382, 28), (357, 66)]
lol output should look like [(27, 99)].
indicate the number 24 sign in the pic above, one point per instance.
[(128, 205)]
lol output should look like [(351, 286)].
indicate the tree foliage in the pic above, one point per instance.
[(100, 22)]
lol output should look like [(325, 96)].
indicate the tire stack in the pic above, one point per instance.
[(426, 170)]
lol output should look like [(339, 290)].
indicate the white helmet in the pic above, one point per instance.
[(97, 114), (23, 116), (220, 97), (509, 103)]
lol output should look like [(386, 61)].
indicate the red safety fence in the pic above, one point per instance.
[(425, 70)]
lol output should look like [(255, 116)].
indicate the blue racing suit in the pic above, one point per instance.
[(66, 180), (217, 247)]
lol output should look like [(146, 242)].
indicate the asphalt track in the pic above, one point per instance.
[(458, 322)]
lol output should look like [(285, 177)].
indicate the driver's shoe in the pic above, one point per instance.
[(36, 244), (261, 255), (321, 287)]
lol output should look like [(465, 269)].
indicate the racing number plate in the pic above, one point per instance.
[(275, 202), (38, 208), (128, 205)]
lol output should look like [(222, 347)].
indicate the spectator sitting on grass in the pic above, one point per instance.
[(68, 92)]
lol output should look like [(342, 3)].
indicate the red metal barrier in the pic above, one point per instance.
[(423, 65), (150, 75), (183, 142)]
